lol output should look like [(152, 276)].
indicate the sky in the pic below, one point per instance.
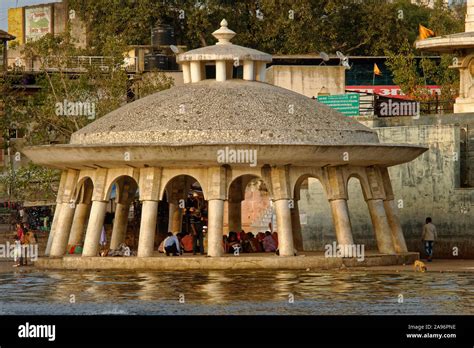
[(6, 4)]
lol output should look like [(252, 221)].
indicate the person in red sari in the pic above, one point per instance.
[(20, 231)]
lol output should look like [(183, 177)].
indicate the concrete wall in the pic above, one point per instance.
[(16, 24), (308, 80), (60, 17), (60, 12), (428, 186)]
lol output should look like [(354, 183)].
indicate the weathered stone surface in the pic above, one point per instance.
[(220, 263), (230, 112), (224, 52), (428, 186)]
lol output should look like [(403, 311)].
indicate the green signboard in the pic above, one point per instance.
[(347, 104)]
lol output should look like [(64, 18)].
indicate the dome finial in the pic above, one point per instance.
[(223, 34)]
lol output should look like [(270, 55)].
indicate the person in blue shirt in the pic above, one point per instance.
[(171, 245)]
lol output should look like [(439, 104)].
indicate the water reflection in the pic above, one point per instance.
[(235, 292)]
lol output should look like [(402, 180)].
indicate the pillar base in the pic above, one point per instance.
[(464, 105)]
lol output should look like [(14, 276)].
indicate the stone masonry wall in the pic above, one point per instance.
[(427, 186)]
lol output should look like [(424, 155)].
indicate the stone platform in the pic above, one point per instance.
[(311, 260)]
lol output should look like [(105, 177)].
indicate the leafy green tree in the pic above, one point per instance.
[(30, 182), (367, 27), (43, 116)]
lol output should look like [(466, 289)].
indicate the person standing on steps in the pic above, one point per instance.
[(428, 237)]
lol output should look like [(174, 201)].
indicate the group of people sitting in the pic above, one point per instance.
[(235, 242), (249, 243)]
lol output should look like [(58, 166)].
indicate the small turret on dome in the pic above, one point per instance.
[(224, 34), (225, 55)]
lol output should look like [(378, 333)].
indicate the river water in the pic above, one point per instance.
[(33, 292)]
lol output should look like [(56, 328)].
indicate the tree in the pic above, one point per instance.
[(404, 68), (367, 27), (64, 81), (65, 84), (412, 74), (30, 182)]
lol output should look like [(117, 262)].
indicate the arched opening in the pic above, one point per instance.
[(183, 205), (248, 214), (314, 212), (82, 203), (362, 229)]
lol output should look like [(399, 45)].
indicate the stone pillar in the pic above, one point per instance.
[(53, 228), (61, 237), (381, 226), (296, 227), (395, 226), (186, 72), (148, 220), (249, 70), (94, 228), (174, 218), (281, 198), (261, 71), (150, 182), (337, 194), (215, 227), (62, 229), (392, 214), (375, 195), (342, 222), (120, 225), (234, 212), (196, 74), (216, 196), (79, 223), (221, 70), (284, 228), (57, 211)]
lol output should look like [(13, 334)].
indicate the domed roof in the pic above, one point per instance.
[(224, 52), (229, 112)]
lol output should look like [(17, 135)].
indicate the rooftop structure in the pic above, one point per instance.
[(462, 45)]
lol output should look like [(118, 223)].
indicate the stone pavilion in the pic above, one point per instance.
[(161, 144)]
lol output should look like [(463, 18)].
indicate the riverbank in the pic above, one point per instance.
[(264, 261), (438, 265), (6, 266)]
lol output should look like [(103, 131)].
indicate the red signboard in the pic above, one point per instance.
[(387, 91)]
